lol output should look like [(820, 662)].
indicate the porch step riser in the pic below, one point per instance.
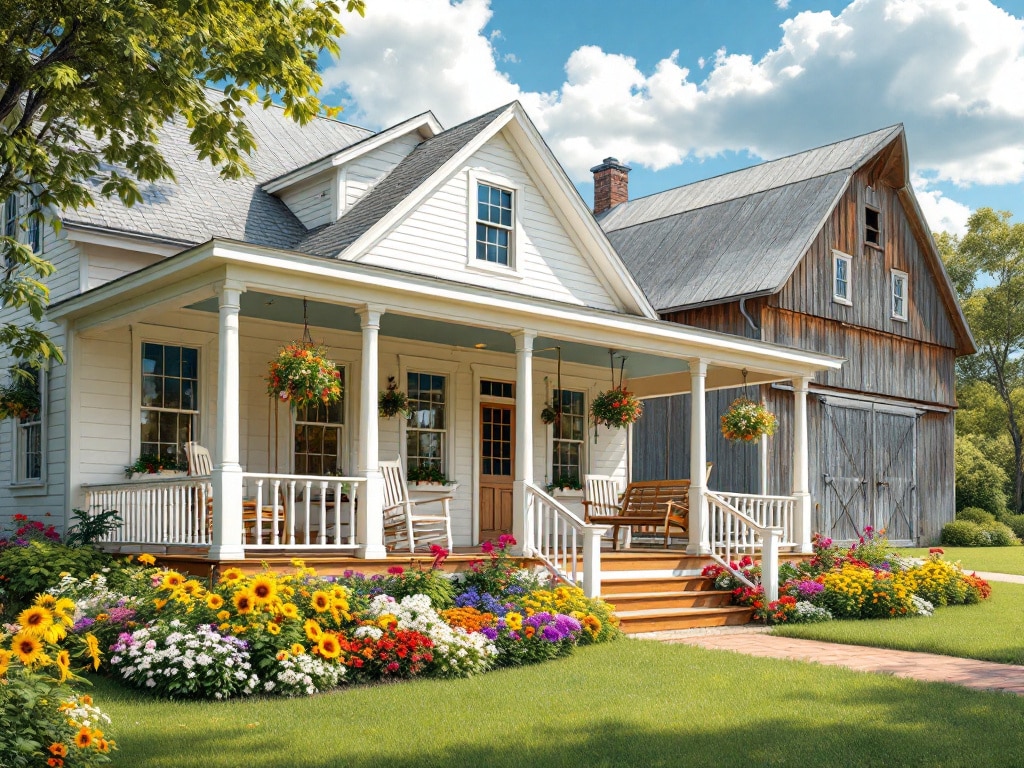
[(668, 600), (711, 618), (611, 586)]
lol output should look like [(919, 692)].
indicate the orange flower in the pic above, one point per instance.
[(57, 749), (83, 738)]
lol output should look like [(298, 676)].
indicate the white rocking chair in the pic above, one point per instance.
[(402, 525)]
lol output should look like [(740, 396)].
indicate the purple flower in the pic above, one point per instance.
[(83, 623), (808, 588), (551, 633), (490, 633)]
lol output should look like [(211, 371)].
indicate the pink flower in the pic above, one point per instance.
[(396, 570), (488, 547)]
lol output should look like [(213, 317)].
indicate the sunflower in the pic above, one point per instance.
[(102, 745), (27, 648), (272, 628), (35, 620), (55, 633), (172, 580), (147, 559), (297, 649), (83, 738), (92, 647), (63, 663), (192, 587), (264, 589), (290, 611), (58, 749), (313, 631), (5, 661), (231, 575), (244, 602), (159, 603), (321, 601), (214, 602), (45, 600), (223, 615), (329, 647)]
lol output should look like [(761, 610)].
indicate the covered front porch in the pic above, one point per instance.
[(494, 351)]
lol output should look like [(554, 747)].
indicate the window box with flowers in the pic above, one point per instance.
[(747, 420), (302, 375), (149, 465)]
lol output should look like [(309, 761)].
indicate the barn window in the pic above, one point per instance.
[(841, 278), (899, 295), (872, 227)]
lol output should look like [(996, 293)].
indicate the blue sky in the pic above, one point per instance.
[(689, 89)]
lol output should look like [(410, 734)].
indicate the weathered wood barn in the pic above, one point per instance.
[(826, 250)]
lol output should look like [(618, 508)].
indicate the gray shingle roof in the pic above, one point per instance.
[(408, 175), (199, 204), (737, 234)]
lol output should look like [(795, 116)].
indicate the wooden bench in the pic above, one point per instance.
[(650, 504)]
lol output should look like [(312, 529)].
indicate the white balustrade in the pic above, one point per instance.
[(558, 538), (734, 533), (767, 512), (158, 510)]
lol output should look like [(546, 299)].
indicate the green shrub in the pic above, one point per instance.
[(975, 515), (1015, 523), (963, 533), (979, 480), (27, 571), (1000, 535)]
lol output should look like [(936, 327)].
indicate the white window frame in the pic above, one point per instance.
[(837, 258), (343, 437), (33, 225), (18, 444), (582, 442), (895, 277), (446, 432), (514, 268), (10, 228)]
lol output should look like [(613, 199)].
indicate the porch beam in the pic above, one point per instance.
[(370, 520), (700, 540), (522, 523), (801, 465), (226, 475)]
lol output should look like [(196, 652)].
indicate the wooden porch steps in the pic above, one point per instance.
[(659, 619)]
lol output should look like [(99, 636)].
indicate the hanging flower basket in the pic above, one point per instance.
[(19, 399), (747, 420), (616, 408), (393, 401), (302, 375), (548, 415)]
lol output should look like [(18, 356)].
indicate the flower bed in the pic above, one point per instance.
[(866, 581)]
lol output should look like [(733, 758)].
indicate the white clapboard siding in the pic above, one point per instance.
[(364, 172), (312, 202), (104, 264), (434, 239)]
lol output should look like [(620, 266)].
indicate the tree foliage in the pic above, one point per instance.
[(86, 84), (987, 268)]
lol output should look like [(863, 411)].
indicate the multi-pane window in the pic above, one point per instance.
[(35, 226), (899, 295), (840, 277), (872, 227), (170, 399), (318, 436), (28, 437), (11, 216), (569, 436), (427, 426), (493, 224)]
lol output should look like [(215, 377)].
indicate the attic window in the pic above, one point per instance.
[(493, 224), (841, 278), (872, 227), (899, 281)]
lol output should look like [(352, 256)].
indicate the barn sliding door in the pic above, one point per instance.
[(870, 472)]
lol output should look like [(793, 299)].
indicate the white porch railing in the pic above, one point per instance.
[(767, 512), (158, 510), (734, 534), (300, 510), (558, 537), (279, 510)]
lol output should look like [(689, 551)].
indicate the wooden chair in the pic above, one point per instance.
[(402, 525), (601, 494), (199, 460), (678, 512), (646, 505)]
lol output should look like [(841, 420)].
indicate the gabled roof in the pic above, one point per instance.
[(742, 234), (331, 239), (199, 204)]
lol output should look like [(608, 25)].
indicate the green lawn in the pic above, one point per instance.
[(990, 631), (622, 704), (993, 559)]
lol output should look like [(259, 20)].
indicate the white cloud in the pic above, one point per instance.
[(951, 71), (782, 4), (942, 213)]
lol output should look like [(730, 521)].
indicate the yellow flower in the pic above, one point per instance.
[(5, 661), (35, 620), (329, 647), (147, 559), (27, 648), (386, 620), (214, 602), (45, 600), (244, 601), (159, 603), (272, 628), (192, 587), (223, 615), (289, 611), (83, 738), (320, 601), (313, 631), (238, 629), (231, 575), (92, 646), (64, 665), (297, 649), (514, 621), (64, 609), (264, 589)]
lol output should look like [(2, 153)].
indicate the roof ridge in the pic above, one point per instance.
[(317, 116)]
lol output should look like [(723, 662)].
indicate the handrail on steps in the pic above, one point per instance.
[(554, 535), (731, 533)]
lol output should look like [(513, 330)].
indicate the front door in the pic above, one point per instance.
[(497, 469)]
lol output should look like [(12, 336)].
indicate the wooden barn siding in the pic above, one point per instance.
[(726, 318), (935, 474), (809, 289), (876, 363), (661, 443)]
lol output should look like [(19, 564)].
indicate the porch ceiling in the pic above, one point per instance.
[(286, 309)]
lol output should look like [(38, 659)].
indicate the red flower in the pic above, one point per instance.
[(396, 570), (488, 547)]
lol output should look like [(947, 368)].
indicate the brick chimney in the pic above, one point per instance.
[(611, 184)]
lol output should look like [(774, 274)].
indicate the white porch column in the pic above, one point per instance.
[(227, 471), (370, 520), (801, 466), (522, 523), (700, 540)]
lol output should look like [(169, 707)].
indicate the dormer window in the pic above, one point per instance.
[(872, 227), (494, 224)]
